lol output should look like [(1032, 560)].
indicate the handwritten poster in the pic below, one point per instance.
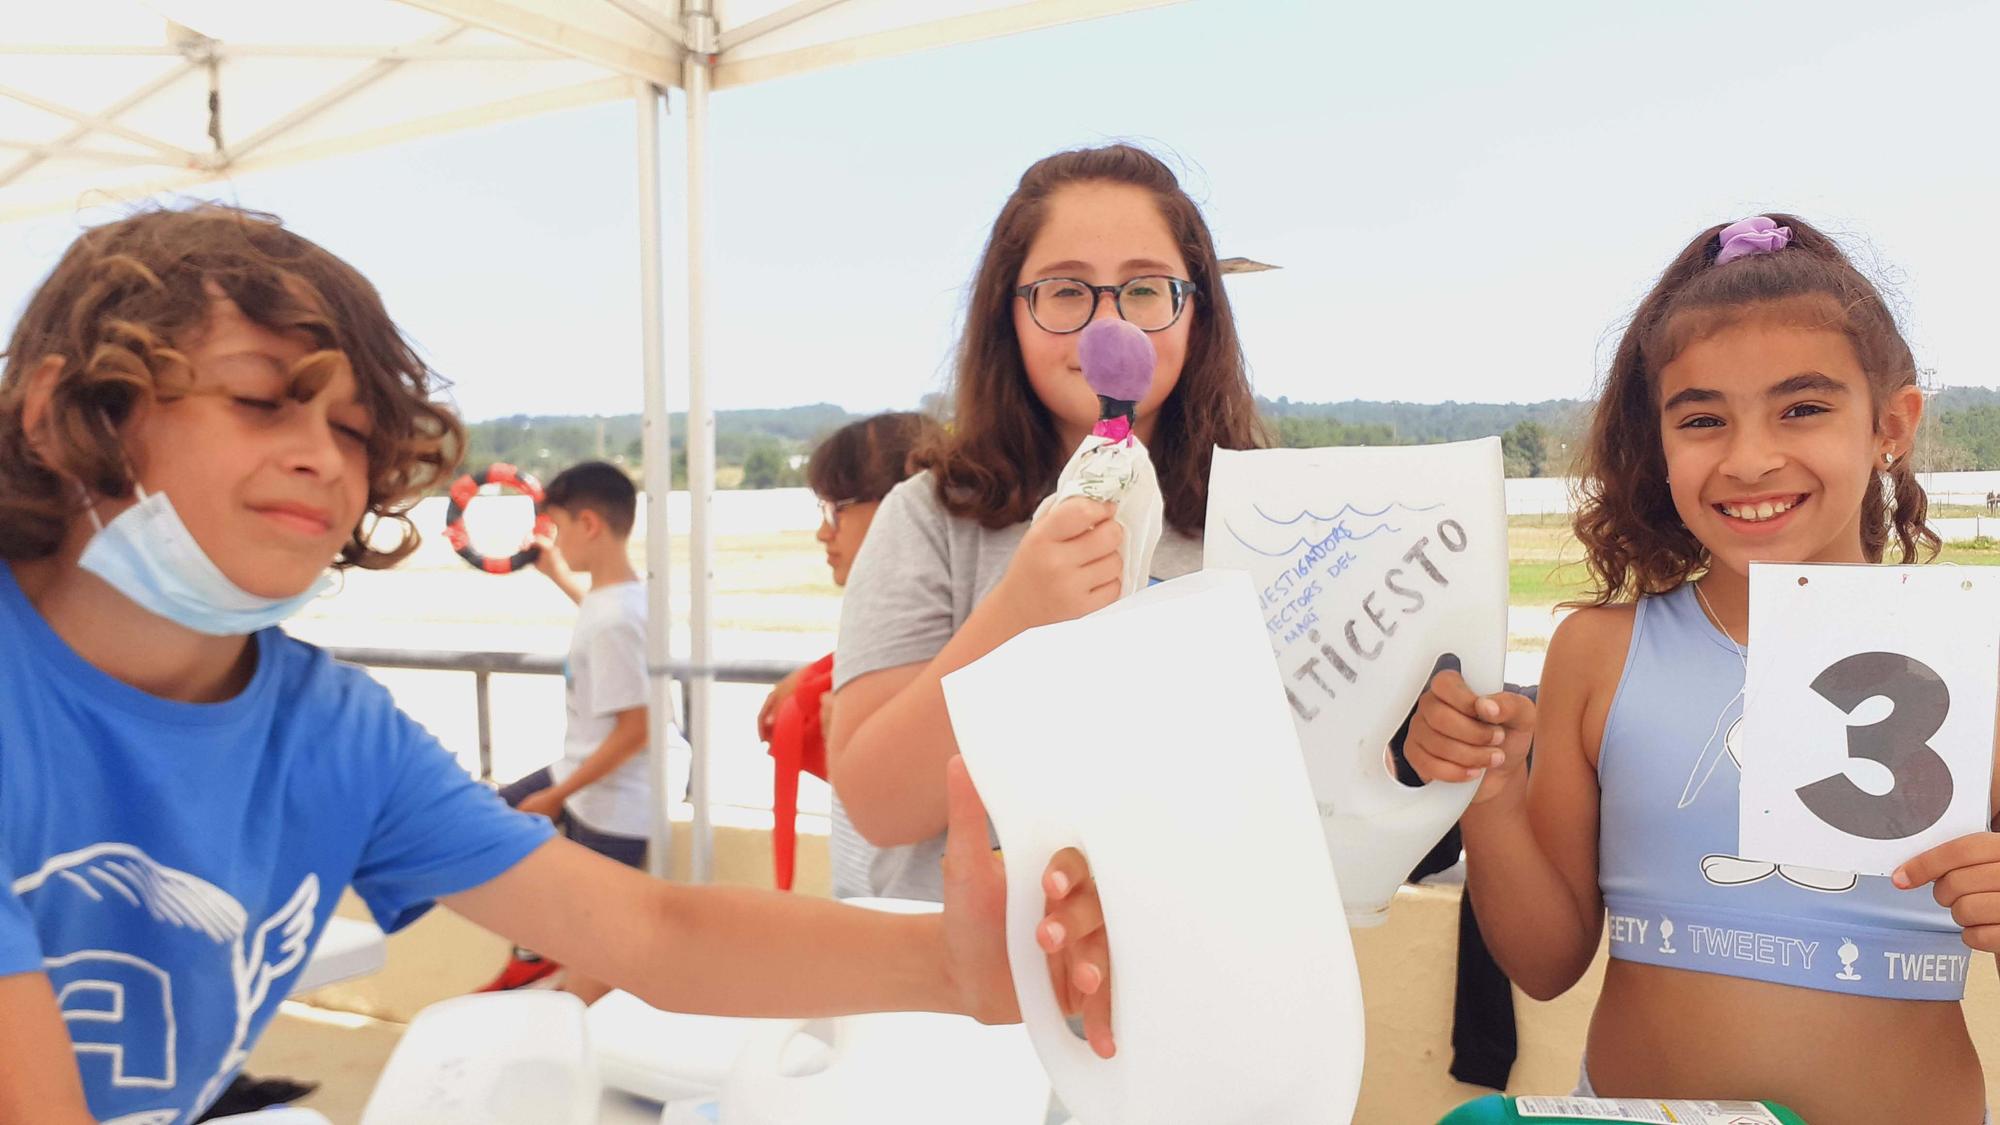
[(1371, 564)]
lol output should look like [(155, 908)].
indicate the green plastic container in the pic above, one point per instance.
[(1498, 1110)]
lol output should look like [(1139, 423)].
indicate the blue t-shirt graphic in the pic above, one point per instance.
[(170, 865)]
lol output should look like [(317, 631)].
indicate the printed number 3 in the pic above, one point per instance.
[(1922, 788)]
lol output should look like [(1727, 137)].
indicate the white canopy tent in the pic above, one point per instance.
[(103, 100)]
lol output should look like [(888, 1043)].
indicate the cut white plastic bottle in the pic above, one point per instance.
[(497, 1058), (1370, 564), (681, 1057), (1154, 736), (884, 1068)]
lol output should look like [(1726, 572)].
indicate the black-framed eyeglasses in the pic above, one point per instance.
[(829, 512), (1067, 304)]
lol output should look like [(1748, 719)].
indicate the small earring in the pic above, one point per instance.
[(1888, 459)]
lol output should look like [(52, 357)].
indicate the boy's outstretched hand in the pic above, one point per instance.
[(1079, 954), (975, 908)]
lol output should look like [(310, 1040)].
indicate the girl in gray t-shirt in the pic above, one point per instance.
[(952, 566)]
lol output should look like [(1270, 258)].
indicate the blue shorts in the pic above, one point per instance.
[(628, 850)]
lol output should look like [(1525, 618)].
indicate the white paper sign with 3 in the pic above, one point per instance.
[(1868, 712)]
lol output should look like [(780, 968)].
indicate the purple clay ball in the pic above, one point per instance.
[(1117, 359)]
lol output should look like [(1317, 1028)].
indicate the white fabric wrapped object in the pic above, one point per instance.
[(1118, 471)]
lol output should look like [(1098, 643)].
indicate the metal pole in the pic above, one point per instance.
[(689, 705), (659, 478), (697, 69), (482, 687)]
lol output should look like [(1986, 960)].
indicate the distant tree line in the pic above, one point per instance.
[(767, 448)]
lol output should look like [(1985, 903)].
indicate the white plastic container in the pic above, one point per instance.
[(665, 1056), (885, 1068), (1370, 563), (703, 1111), (1154, 735), (502, 1058), (675, 1056)]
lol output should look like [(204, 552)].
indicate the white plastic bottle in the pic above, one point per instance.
[(1154, 735), (1370, 563)]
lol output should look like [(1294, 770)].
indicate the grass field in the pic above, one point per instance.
[(1546, 562), (772, 594), (1545, 568)]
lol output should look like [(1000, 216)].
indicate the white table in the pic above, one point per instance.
[(349, 948)]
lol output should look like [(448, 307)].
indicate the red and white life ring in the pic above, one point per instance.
[(465, 488)]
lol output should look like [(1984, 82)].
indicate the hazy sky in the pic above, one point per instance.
[(1466, 197)]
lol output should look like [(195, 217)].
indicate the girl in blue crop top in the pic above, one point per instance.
[(1760, 406)]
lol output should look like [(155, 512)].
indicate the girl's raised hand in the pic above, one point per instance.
[(1459, 735), (1069, 564)]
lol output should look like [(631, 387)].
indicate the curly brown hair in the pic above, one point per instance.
[(112, 310), (1633, 539), (1003, 452)]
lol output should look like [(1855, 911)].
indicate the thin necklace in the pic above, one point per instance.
[(1715, 619), (1699, 779)]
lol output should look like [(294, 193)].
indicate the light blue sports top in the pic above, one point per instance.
[(1674, 890)]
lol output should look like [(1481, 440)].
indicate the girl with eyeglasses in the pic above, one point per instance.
[(849, 473), (952, 566)]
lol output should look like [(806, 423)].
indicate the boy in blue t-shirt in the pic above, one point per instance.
[(199, 412)]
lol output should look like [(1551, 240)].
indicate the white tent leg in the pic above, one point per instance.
[(700, 35), (659, 476)]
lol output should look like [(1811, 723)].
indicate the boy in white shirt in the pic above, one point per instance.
[(600, 792)]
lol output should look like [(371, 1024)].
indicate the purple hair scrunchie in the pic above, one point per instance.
[(1757, 235)]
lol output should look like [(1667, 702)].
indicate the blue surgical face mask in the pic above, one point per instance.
[(147, 554)]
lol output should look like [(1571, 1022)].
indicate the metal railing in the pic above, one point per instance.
[(485, 665)]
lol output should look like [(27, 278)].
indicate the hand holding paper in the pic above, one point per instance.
[(1965, 874)]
